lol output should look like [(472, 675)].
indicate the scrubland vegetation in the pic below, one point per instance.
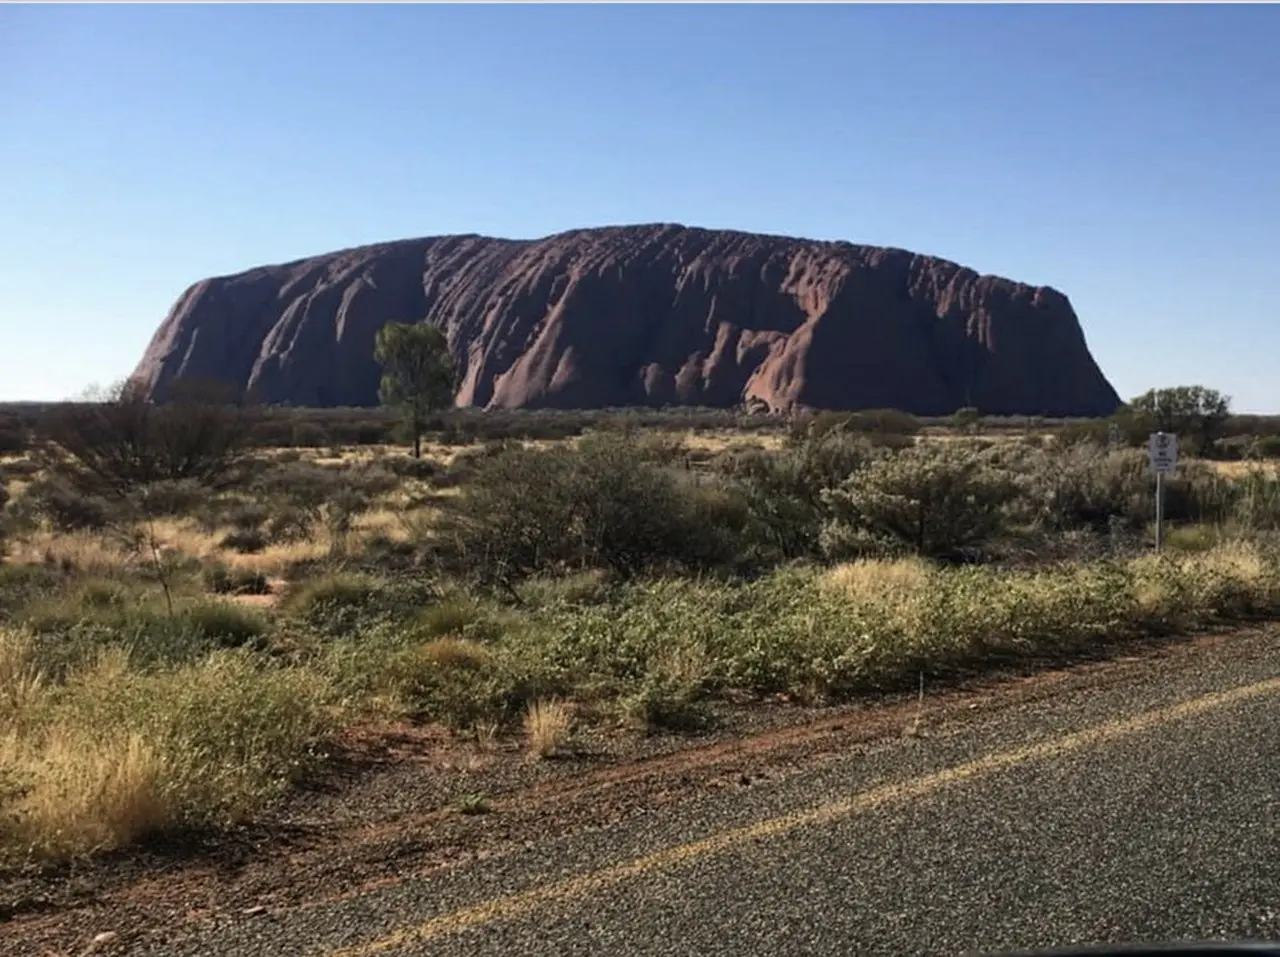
[(188, 617)]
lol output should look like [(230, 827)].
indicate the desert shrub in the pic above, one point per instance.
[(456, 681), (222, 624), (326, 594), (369, 480), (246, 516), (308, 435), (21, 584), (1192, 538), (1267, 447), (380, 550), (170, 497), (468, 461), (452, 615), (1232, 448), (302, 484), (103, 612), (464, 683), (1085, 486), (221, 580), (672, 694), (881, 428), (339, 515), (404, 466), (593, 506), (1093, 432), (1256, 501), (784, 490), (883, 422), (938, 501), (246, 541), (113, 446), (291, 523), (575, 589), (4, 519), (1196, 493), (65, 508)]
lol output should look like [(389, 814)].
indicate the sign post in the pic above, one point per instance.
[(1113, 436), (1162, 452)]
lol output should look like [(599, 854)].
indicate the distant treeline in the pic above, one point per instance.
[(288, 426)]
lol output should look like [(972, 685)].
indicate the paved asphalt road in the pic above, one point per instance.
[(1130, 813)]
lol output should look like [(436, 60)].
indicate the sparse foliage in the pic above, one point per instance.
[(123, 441)]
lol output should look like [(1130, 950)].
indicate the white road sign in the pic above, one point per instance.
[(1162, 451)]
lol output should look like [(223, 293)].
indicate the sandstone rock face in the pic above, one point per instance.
[(643, 316)]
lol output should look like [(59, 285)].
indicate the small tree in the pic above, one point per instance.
[(417, 373), (1192, 412)]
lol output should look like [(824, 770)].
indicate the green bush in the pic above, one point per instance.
[(224, 625), (333, 600), (939, 501), (784, 490), (594, 506)]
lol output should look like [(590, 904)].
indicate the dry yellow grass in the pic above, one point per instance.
[(721, 441), (21, 679), (92, 552), (455, 653), (1240, 469), (1239, 562), (83, 791), (546, 723), (877, 580)]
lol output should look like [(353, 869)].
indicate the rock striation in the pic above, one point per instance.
[(647, 315)]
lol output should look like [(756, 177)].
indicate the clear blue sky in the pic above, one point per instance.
[(1129, 156)]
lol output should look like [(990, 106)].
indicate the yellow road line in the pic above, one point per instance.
[(597, 881)]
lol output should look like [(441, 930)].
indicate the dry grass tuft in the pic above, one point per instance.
[(93, 553), (875, 580), (84, 792), (547, 725), (21, 679), (449, 653)]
